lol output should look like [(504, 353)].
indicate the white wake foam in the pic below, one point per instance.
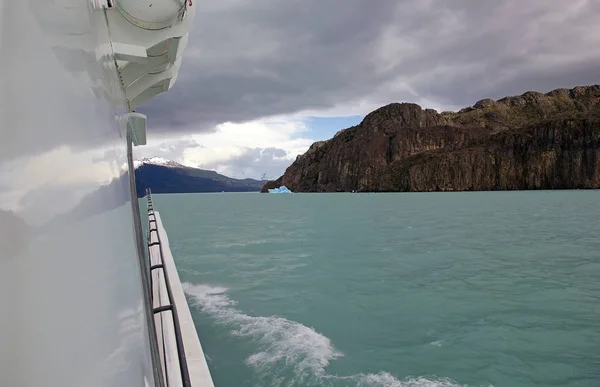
[(384, 379), (286, 343), (280, 340)]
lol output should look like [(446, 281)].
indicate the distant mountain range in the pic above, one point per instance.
[(165, 176)]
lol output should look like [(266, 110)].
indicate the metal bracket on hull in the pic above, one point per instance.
[(136, 123), (163, 308), (129, 53)]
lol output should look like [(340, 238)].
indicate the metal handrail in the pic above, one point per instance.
[(159, 380), (183, 367)]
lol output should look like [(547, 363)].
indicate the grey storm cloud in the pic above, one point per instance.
[(247, 60)]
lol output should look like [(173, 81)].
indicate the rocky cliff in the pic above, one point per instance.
[(554, 154), (530, 141)]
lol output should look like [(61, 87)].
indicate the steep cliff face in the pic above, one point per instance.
[(355, 157), (555, 154), (369, 156)]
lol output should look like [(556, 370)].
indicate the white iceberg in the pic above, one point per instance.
[(281, 190)]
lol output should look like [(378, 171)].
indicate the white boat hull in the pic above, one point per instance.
[(73, 307)]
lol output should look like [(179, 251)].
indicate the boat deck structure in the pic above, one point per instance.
[(182, 359)]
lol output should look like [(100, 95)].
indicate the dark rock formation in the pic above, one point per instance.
[(532, 141), (556, 154), (271, 185)]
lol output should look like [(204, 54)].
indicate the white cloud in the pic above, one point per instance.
[(234, 142), (34, 180), (240, 150), (49, 167)]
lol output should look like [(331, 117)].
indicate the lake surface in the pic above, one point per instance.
[(414, 289)]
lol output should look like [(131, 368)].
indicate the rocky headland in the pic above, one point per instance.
[(531, 141)]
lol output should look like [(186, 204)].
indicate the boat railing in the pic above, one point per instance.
[(163, 305)]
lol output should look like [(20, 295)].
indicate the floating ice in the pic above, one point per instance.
[(281, 190)]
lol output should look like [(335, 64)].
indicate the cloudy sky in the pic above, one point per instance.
[(263, 79)]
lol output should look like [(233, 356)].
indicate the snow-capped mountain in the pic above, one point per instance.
[(166, 176), (155, 160)]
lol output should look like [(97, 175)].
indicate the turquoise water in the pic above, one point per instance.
[(445, 289)]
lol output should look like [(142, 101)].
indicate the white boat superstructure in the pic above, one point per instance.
[(147, 40), (75, 282)]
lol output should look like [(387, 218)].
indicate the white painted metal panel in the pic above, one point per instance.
[(70, 288), (151, 14)]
